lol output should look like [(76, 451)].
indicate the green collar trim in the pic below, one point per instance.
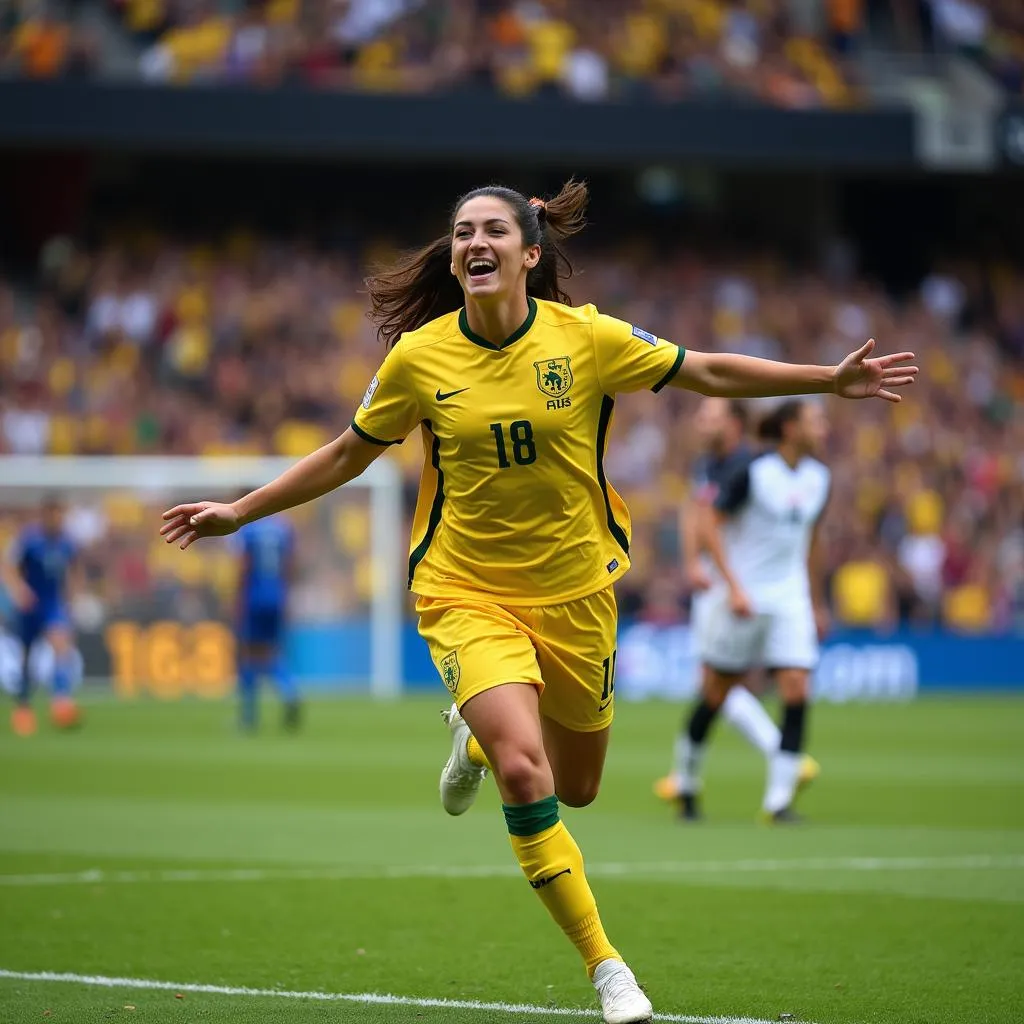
[(511, 339)]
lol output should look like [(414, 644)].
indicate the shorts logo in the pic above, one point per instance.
[(450, 671), (554, 377), (368, 397), (645, 336)]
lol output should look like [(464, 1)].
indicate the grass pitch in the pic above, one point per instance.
[(158, 845)]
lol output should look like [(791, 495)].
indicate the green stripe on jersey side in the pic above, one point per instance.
[(435, 509), (673, 370), (369, 437), (530, 819), (607, 404)]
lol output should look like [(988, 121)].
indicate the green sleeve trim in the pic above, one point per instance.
[(529, 819), (673, 370), (369, 437)]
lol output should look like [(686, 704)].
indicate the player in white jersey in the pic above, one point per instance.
[(766, 606), (721, 424)]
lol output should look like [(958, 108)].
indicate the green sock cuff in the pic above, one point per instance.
[(529, 819)]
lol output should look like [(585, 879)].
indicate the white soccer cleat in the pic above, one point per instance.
[(460, 778), (622, 999)]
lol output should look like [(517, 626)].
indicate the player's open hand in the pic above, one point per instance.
[(697, 578), (188, 523), (857, 376), (739, 603)]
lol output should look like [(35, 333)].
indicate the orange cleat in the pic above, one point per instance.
[(23, 720), (667, 788), (64, 713)]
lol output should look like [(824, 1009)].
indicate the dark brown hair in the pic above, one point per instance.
[(773, 427), (739, 412), (420, 286)]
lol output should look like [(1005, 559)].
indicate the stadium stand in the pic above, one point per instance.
[(253, 345), (787, 54)]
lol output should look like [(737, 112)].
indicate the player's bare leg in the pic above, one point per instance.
[(577, 761), (785, 767), (64, 710), (506, 722)]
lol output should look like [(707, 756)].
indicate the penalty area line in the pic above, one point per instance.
[(366, 998)]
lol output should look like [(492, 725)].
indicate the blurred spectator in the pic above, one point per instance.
[(845, 23), (960, 24)]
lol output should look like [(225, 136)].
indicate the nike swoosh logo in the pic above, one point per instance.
[(603, 706), (443, 396), (541, 882)]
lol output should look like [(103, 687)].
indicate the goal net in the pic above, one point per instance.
[(152, 619)]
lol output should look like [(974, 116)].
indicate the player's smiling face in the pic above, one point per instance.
[(488, 254)]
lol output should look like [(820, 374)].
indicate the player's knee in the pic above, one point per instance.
[(523, 771), (793, 685), (578, 792), (715, 689)]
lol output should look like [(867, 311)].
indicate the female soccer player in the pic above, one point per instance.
[(517, 536)]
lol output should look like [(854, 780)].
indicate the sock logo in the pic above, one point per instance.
[(541, 882)]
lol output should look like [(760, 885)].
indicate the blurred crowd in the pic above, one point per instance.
[(786, 52), (45, 39), (256, 346), (792, 53), (992, 31)]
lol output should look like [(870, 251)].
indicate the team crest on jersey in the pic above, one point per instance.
[(554, 377), (450, 671)]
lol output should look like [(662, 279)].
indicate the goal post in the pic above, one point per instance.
[(353, 539)]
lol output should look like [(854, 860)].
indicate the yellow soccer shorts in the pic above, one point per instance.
[(566, 650)]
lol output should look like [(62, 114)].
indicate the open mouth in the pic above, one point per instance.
[(480, 267)]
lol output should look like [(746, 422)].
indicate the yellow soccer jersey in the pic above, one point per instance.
[(513, 502)]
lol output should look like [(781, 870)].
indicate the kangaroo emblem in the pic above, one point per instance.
[(554, 376)]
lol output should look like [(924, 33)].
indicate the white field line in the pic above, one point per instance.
[(367, 998), (624, 871)]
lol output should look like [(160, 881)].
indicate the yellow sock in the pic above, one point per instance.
[(553, 866), (476, 753)]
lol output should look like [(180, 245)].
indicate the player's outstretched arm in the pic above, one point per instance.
[(334, 464), (725, 375)]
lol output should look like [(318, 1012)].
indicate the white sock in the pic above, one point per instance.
[(689, 758), (783, 770), (744, 711)]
